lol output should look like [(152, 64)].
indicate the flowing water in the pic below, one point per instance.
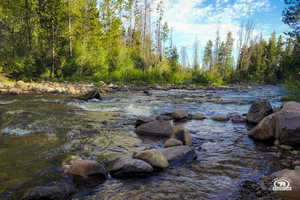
[(38, 132)]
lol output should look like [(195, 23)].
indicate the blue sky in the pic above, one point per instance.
[(202, 18)]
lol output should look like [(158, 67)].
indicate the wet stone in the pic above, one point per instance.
[(129, 168), (153, 157)]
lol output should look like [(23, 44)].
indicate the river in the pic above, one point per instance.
[(38, 132)]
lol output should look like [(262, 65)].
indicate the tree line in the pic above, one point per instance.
[(130, 41)]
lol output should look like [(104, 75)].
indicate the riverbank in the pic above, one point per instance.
[(8, 86)]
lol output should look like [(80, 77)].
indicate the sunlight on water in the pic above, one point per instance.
[(15, 131), (95, 107), (7, 102), (138, 110)]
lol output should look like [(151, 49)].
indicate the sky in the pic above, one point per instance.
[(202, 18)]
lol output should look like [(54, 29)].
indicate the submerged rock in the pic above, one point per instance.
[(179, 115), (129, 168), (153, 157), (283, 126), (183, 135), (179, 154), (87, 172), (220, 118), (147, 92), (238, 119), (155, 128), (173, 142), (55, 191), (258, 111), (198, 117)]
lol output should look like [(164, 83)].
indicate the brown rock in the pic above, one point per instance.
[(220, 118), (173, 142), (153, 157), (258, 111), (179, 115), (238, 119), (87, 172), (283, 126), (155, 128), (58, 191), (93, 94), (183, 135), (142, 120), (198, 117), (179, 154), (164, 118), (291, 106), (129, 167)]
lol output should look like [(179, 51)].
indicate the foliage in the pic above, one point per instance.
[(292, 90), (111, 41)]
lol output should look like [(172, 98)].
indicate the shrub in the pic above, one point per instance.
[(292, 90)]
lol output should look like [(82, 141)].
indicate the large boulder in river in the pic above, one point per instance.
[(142, 120), (155, 128), (87, 172), (179, 154), (129, 167), (55, 191), (153, 157), (288, 178), (283, 126), (183, 135), (291, 106), (258, 111)]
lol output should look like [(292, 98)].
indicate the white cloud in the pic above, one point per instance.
[(202, 18)]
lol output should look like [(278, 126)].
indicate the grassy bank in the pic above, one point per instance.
[(292, 91)]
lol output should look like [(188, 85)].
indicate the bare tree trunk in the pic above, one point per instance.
[(53, 50), (70, 30), (28, 27), (145, 22), (245, 35)]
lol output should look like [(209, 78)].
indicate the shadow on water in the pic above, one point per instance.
[(37, 133)]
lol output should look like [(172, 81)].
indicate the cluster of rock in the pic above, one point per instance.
[(79, 174), (282, 127), (268, 187)]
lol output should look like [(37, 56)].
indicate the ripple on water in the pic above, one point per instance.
[(138, 110), (3, 102), (226, 155), (15, 131), (95, 107)]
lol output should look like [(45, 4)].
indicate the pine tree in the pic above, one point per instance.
[(208, 56)]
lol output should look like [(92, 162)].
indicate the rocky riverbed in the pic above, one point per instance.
[(41, 134)]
